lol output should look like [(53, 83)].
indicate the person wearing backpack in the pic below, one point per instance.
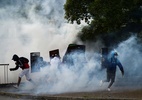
[(113, 62), (21, 62)]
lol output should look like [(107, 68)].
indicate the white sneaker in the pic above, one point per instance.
[(16, 86), (108, 89), (101, 83)]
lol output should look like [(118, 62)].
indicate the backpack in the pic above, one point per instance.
[(24, 62)]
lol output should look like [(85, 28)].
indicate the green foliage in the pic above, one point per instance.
[(77, 10), (108, 16)]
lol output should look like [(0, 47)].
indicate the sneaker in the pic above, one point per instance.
[(108, 89), (101, 83), (16, 86)]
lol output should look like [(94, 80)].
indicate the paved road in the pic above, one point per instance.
[(7, 92), (11, 98)]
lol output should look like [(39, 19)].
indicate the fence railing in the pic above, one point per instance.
[(5, 73)]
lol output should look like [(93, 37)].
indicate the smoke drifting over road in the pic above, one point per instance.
[(33, 26), (39, 25), (86, 76), (130, 56)]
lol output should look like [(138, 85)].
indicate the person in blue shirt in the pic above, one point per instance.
[(113, 62)]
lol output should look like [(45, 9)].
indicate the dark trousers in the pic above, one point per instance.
[(110, 78)]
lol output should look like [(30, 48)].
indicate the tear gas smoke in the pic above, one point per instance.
[(129, 53), (33, 26), (28, 26), (86, 76)]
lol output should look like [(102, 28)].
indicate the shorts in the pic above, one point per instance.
[(26, 73)]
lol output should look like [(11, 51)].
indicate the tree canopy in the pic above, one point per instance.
[(103, 16)]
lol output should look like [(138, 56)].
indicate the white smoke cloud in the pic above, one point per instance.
[(82, 76), (33, 26), (39, 25), (129, 53), (87, 76)]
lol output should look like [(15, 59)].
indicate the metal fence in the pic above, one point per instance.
[(4, 73)]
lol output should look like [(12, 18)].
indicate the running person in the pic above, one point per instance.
[(113, 62), (21, 62)]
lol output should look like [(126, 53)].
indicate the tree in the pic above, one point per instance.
[(77, 10), (107, 16)]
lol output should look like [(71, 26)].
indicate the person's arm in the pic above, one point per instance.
[(121, 67), (13, 69)]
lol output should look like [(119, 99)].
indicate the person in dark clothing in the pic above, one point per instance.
[(21, 62), (113, 62)]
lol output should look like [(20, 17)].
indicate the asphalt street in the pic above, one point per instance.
[(11, 98), (8, 92)]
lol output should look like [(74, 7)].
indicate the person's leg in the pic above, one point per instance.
[(19, 81), (110, 84), (107, 78), (27, 75), (23, 72), (112, 81)]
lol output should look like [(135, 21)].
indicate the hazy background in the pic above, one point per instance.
[(33, 26), (39, 26)]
